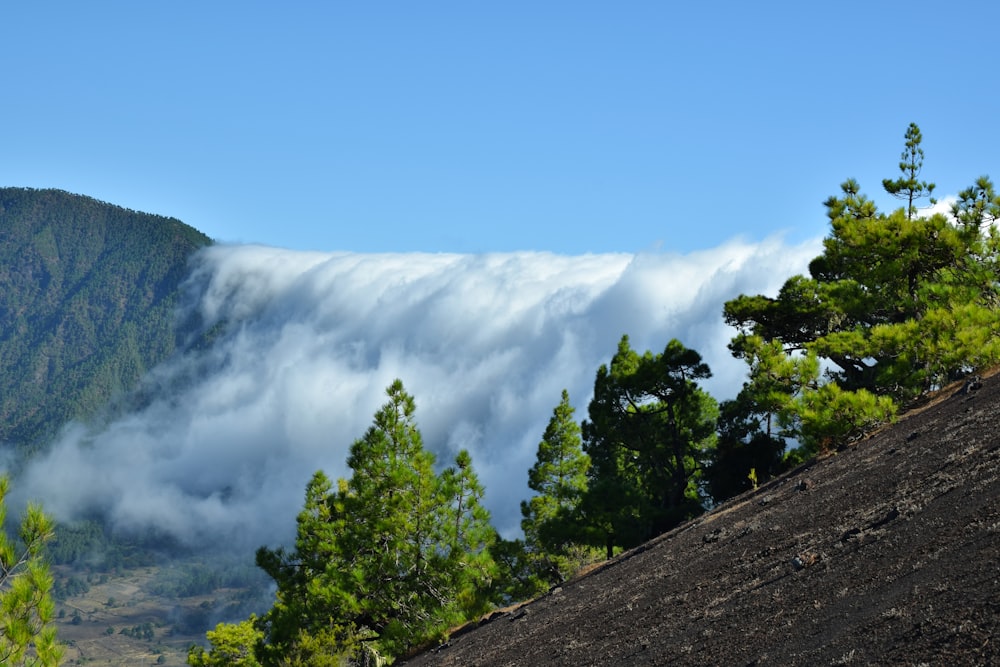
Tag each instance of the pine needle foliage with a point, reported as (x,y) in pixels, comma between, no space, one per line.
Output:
(649,432)
(27,611)
(897,305)
(389,559)
(550,517)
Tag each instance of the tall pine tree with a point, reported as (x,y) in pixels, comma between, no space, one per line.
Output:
(391,558)
(909,186)
(559,479)
(897,304)
(467,538)
(651,429)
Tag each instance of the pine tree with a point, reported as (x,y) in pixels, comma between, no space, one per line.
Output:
(896,305)
(908,186)
(389,559)
(315,610)
(468,537)
(977,206)
(393,501)
(27,612)
(232,645)
(651,428)
(559,479)
(517,572)
(753,427)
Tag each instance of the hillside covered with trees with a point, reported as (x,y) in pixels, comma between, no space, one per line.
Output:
(89,292)
(898,305)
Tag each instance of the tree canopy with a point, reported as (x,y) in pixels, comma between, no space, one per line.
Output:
(27,611)
(897,304)
(386,560)
(649,430)
(233,645)
(559,480)
(908,186)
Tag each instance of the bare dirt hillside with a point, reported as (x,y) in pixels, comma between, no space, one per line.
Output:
(887,552)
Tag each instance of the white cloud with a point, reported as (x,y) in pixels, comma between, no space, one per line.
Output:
(942,206)
(485,343)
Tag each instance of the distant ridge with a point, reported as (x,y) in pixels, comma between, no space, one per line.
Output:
(883,553)
(87,297)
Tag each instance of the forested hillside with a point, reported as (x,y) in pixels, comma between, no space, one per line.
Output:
(89,291)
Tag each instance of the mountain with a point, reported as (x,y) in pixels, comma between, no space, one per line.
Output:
(88,301)
(885,552)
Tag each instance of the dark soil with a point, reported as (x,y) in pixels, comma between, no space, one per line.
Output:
(887,552)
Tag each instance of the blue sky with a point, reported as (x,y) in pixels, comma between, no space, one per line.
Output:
(469,127)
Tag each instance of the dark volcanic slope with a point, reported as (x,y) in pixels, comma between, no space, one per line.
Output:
(886,553)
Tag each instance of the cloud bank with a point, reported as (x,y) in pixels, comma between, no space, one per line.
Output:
(222,448)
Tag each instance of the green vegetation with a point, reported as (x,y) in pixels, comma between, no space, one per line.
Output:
(89,294)
(559,480)
(27,611)
(142,631)
(391,558)
(187,578)
(908,186)
(897,305)
(650,428)
(90,543)
(233,645)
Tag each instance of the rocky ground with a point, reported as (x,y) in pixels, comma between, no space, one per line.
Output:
(887,552)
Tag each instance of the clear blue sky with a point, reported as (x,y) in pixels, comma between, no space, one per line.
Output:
(472,127)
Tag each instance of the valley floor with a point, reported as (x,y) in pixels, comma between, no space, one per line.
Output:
(118,622)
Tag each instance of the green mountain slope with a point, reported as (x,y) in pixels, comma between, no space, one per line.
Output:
(87,298)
